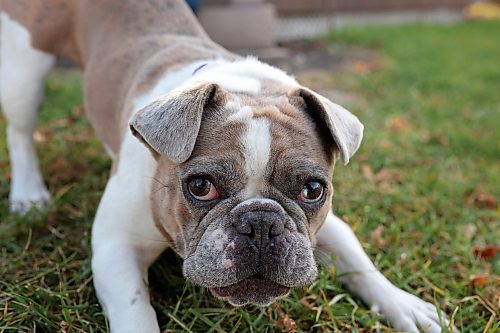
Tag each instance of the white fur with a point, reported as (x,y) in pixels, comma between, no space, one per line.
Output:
(256,143)
(243,75)
(403,310)
(22,73)
(244,114)
(109,151)
(253,201)
(125,242)
(234,76)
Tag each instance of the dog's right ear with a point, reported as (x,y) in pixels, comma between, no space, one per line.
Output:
(169,126)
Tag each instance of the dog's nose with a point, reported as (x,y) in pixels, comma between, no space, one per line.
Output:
(260,226)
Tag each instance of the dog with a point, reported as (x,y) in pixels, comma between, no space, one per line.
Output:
(225,159)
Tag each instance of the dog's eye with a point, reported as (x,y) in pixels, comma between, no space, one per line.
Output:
(311,192)
(202,189)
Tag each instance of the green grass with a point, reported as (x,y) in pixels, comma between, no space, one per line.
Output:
(431,109)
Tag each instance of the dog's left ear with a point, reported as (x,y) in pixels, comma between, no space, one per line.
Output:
(169,126)
(345,128)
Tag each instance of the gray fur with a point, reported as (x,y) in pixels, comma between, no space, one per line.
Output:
(346,129)
(169,126)
(224,255)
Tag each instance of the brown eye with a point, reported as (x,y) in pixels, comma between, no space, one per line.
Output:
(311,192)
(202,189)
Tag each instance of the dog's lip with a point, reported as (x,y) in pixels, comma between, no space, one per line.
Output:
(253,284)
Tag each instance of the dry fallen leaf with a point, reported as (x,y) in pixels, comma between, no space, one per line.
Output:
(288,324)
(308,301)
(285,322)
(485,201)
(362,67)
(367,171)
(478,280)
(383,174)
(42,136)
(469,231)
(78,110)
(398,125)
(486,252)
(435,138)
(376,237)
(389,175)
(345,218)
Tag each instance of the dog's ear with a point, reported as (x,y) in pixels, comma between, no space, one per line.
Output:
(169,126)
(342,126)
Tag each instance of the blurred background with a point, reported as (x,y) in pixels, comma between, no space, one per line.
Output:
(263,23)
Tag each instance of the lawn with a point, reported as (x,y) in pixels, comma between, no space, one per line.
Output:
(421,193)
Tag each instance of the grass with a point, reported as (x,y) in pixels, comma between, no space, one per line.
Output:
(420,194)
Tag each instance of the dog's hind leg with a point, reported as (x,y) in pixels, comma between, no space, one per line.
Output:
(22,74)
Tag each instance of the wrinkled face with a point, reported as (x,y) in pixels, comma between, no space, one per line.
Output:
(244,208)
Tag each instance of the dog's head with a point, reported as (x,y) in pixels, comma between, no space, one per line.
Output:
(243,177)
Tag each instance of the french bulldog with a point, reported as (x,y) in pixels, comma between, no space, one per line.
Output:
(224,159)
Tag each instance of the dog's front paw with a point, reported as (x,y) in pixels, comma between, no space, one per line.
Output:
(408,313)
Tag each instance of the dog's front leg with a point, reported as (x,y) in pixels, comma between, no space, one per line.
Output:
(120,280)
(125,242)
(356,271)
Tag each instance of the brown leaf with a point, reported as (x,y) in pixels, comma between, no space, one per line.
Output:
(289,324)
(383,174)
(285,322)
(78,110)
(367,171)
(60,165)
(485,201)
(389,175)
(376,237)
(469,231)
(362,67)
(435,138)
(399,125)
(486,252)
(42,136)
(478,280)
(307,301)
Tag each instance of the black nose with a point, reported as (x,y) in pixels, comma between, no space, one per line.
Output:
(261,227)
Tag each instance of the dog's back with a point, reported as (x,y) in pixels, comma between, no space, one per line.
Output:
(50,23)
(76,29)
(124,45)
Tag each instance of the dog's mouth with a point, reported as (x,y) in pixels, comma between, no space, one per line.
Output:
(252,290)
